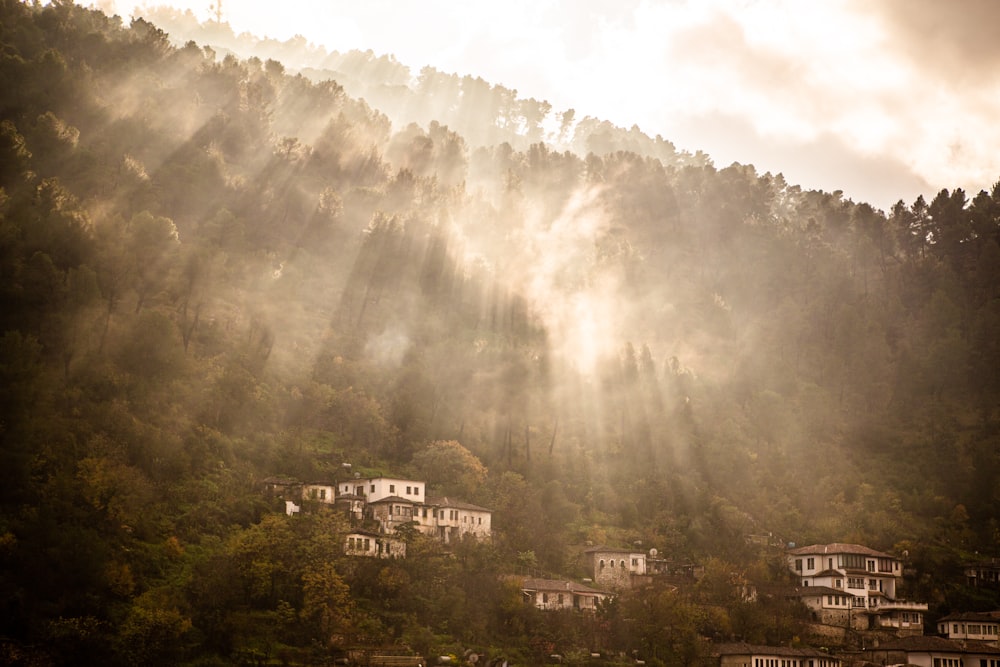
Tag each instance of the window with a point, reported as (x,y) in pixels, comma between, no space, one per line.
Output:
(855,582)
(852,561)
(810,563)
(407,490)
(322,494)
(601,565)
(838,583)
(373,488)
(416,490)
(798,564)
(368,544)
(635,562)
(872,585)
(622,563)
(871,566)
(559,599)
(480,521)
(545,598)
(612,562)
(392,488)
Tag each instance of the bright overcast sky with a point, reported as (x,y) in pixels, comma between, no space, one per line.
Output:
(884,99)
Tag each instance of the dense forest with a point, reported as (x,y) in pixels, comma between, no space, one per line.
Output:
(215,270)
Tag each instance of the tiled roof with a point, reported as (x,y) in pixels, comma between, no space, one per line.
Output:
(367,533)
(558,586)
(931,644)
(742,648)
(392,499)
(837,548)
(980,616)
(826,573)
(445,501)
(286,481)
(810,591)
(612,550)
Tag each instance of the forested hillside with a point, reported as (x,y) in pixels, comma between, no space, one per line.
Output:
(215,271)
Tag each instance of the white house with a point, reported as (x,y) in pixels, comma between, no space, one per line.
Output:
(373,545)
(750,655)
(830,606)
(392,502)
(322,492)
(553,594)
(615,568)
(867,576)
(377,488)
(447,519)
(982,626)
(928,651)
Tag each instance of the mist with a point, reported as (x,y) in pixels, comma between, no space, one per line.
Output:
(226,267)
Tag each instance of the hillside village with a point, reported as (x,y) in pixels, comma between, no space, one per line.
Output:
(587,381)
(850,592)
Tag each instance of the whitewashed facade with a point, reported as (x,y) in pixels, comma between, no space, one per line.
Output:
(556,594)
(868,577)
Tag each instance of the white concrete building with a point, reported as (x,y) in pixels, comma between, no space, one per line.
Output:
(321,492)
(377,488)
(447,519)
(978,626)
(554,594)
(750,655)
(928,651)
(868,577)
(373,545)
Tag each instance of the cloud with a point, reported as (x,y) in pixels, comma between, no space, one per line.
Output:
(825,162)
(956,41)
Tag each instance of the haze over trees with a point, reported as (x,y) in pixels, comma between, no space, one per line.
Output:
(215,270)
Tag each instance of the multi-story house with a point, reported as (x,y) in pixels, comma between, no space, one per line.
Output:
(377,488)
(978,626)
(447,519)
(929,651)
(750,655)
(830,606)
(391,512)
(983,573)
(322,492)
(868,577)
(373,545)
(615,569)
(552,594)
(392,502)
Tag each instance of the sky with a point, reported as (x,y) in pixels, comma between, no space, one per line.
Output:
(882,99)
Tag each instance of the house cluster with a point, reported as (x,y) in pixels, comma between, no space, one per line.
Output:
(378,506)
(852,586)
(848,588)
